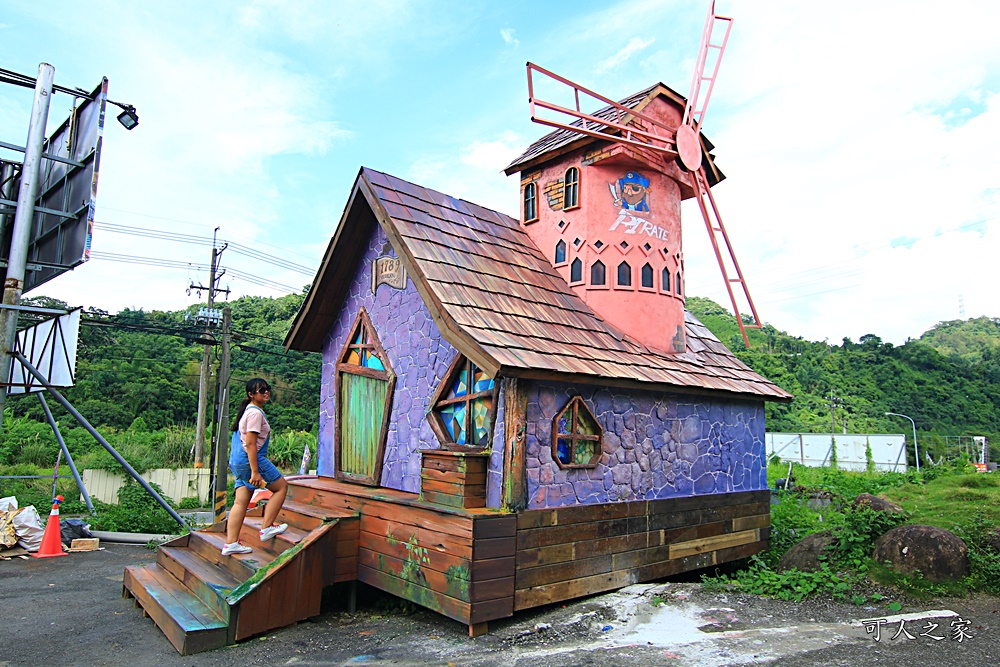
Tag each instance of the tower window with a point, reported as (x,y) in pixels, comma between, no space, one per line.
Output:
(647,276)
(560,252)
(624,275)
(665,280)
(530,197)
(597,276)
(677,283)
(571,188)
(576,271)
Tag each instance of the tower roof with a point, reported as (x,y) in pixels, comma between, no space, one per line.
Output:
(563,141)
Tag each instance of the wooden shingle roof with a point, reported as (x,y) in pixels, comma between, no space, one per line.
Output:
(496,299)
(563,141)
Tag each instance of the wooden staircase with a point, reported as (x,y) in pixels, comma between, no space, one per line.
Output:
(202,600)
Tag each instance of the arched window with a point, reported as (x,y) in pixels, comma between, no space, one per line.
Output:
(677,283)
(624,275)
(571,188)
(464,406)
(597,276)
(665,280)
(576,436)
(647,276)
(576,271)
(560,252)
(530,197)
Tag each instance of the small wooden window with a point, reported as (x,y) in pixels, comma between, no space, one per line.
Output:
(624,275)
(576,271)
(530,200)
(665,280)
(464,406)
(647,276)
(597,273)
(560,252)
(576,436)
(571,188)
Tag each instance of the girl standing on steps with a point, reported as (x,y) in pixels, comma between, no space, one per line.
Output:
(251,468)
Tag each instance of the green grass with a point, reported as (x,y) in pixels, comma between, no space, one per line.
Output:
(967,504)
(951,500)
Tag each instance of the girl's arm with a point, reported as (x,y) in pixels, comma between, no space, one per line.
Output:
(251,449)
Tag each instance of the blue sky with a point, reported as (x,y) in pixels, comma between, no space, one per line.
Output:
(859,142)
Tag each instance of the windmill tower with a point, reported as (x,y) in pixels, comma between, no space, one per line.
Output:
(601,196)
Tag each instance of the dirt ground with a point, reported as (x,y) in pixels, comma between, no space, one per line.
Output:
(69,611)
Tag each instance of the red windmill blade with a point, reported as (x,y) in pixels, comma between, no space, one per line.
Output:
(621,124)
(690,152)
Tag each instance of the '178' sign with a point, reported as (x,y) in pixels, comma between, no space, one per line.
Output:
(389,271)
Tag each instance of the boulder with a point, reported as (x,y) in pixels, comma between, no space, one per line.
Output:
(939,555)
(878,504)
(993,540)
(805,555)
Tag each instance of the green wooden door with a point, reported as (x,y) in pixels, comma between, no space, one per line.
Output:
(362,417)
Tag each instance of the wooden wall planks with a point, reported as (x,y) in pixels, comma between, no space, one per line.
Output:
(569,552)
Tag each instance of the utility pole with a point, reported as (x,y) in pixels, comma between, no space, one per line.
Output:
(221,430)
(206,357)
(23,217)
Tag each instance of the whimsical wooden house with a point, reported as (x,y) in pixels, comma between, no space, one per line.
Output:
(516,412)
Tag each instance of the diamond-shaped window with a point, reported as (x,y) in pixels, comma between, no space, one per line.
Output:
(464,406)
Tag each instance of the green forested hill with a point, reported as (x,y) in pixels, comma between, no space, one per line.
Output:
(948,381)
(144,366)
(137,365)
(972,340)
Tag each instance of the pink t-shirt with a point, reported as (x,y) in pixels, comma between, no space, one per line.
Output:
(254,421)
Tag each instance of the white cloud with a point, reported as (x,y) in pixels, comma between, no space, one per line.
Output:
(634,45)
(509,37)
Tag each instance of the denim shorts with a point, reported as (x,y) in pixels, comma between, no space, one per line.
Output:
(267,471)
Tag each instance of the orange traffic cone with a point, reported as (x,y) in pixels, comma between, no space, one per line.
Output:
(52,538)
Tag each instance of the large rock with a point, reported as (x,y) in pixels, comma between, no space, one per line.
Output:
(993,540)
(808,553)
(938,554)
(878,504)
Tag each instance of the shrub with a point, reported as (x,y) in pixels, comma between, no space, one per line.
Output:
(286,448)
(136,512)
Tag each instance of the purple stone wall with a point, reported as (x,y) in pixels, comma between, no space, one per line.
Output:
(656,445)
(418,355)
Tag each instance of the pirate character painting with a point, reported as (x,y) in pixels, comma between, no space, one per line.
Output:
(630,197)
(633,187)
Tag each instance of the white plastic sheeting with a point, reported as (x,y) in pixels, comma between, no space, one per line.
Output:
(814,449)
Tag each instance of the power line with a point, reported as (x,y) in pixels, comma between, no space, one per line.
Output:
(237,248)
(174,264)
(191,224)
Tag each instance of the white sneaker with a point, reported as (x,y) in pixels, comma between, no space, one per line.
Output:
(235,548)
(271,531)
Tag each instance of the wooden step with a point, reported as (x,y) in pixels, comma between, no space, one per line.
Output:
(208,545)
(250,535)
(186,621)
(306,516)
(205,578)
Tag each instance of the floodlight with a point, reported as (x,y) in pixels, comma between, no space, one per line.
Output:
(128,118)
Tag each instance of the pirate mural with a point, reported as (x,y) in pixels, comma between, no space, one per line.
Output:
(630,197)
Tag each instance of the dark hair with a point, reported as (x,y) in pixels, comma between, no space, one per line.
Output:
(254,385)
